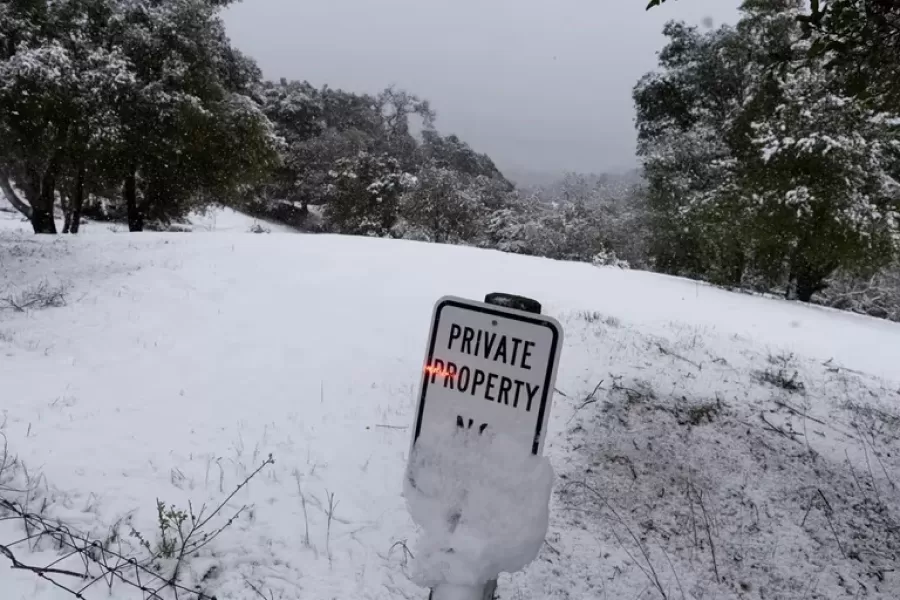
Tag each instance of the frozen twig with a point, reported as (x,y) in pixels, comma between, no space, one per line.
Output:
(332,505)
(43,295)
(777,430)
(589,399)
(649,570)
(257,591)
(828,512)
(674,572)
(798,412)
(668,352)
(306,542)
(693,515)
(407,553)
(808,509)
(592,397)
(712,545)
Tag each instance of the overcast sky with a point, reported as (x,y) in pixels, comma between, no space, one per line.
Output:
(542,85)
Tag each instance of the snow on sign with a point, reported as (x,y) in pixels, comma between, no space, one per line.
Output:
(489,367)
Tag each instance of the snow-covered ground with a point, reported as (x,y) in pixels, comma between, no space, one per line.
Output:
(706,444)
(219,220)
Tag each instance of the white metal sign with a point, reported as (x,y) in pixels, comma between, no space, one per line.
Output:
(489,367)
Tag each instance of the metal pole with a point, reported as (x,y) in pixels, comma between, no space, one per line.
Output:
(489,592)
(452,592)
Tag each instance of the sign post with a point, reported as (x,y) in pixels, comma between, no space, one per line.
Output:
(489,366)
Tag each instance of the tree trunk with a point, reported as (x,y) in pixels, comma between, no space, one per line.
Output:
(135,214)
(42,219)
(809,279)
(807,285)
(17,203)
(77,201)
(67,212)
(737,267)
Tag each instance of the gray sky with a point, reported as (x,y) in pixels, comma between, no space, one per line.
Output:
(540,85)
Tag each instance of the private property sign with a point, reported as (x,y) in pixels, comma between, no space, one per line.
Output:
(489,367)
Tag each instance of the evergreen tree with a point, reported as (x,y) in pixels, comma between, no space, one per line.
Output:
(365,194)
(776,171)
(59,82)
(192,112)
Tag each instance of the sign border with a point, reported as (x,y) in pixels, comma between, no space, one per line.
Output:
(507,313)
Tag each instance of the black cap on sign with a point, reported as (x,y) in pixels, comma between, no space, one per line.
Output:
(513,301)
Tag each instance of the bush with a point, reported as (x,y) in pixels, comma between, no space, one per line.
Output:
(876,296)
(42,295)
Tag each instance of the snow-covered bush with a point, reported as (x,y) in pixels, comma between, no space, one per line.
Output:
(608,258)
(364,194)
(876,296)
(445,204)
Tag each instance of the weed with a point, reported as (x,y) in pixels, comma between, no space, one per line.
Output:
(782,379)
(700,413)
(42,295)
(592,317)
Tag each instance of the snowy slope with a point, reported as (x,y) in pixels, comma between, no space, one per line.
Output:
(215,220)
(179,362)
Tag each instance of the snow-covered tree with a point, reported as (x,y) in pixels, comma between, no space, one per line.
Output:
(365,194)
(324,126)
(522,228)
(193,111)
(445,205)
(756,161)
(875,294)
(450,152)
(823,188)
(858,38)
(59,85)
(687,117)
(144,93)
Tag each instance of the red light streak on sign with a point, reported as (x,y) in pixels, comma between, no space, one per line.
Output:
(433,370)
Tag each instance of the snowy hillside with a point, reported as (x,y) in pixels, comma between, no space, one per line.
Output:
(214,220)
(706,444)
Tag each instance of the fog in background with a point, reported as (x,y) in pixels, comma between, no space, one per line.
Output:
(541,85)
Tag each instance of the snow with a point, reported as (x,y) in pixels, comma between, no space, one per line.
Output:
(215,220)
(481,505)
(690,421)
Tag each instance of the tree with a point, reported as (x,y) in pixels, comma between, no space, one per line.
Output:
(688,135)
(148,93)
(297,111)
(320,127)
(444,204)
(395,107)
(521,228)
(324,126)
(450,152)
(52,71)
(194,97)
(103,82)
(860,42)
(828,197)
(365,194)
(820,171)
(788,177)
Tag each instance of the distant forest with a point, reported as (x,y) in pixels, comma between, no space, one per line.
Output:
(770,155)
